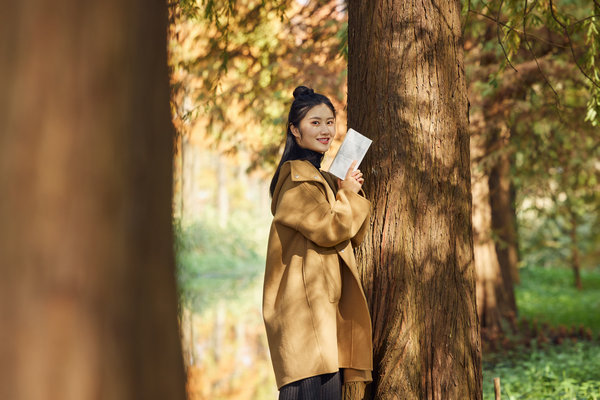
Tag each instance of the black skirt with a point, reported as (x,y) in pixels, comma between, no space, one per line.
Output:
(320,387)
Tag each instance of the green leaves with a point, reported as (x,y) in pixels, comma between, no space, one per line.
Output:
(593,107)
(342,36)
(591,58)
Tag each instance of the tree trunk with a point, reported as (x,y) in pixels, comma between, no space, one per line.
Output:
(489,138)
(407,92)
(222,192)
(495,297)
(487,267)
(504,221)
(87,296)
(575,263)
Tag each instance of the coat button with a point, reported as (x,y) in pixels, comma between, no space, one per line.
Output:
(296,176)
(315,177)
(342,250)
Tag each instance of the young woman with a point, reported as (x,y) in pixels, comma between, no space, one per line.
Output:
(316,315)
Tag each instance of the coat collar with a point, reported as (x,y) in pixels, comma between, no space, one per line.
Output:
(300,171)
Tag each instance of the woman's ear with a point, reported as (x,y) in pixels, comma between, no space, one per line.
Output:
(295,132)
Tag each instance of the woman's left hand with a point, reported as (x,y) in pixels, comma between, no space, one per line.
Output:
(353,180)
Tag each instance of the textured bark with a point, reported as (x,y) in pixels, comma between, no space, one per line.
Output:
(356,391)
(407,92)
(87,295)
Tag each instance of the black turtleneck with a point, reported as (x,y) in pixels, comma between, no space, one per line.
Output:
(314,157)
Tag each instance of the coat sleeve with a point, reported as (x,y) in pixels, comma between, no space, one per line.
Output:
(362,232)
(305,208)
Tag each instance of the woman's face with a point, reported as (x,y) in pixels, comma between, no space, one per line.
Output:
(316,130)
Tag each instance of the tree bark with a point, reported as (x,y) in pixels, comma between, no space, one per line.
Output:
(407,92)
(87,296)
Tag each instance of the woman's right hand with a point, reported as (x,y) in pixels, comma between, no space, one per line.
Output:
(353,180)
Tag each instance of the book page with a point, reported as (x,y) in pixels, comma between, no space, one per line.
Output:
(354,147)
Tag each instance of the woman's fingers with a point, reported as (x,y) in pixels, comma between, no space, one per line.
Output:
(351,170)
(358,176)
(353,180)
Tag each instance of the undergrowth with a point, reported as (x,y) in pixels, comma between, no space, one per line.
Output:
(544,368)
(548,295)
(567,371)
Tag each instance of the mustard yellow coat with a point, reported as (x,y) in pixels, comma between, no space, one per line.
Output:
(314,307)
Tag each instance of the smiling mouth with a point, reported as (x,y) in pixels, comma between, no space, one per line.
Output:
(324,140)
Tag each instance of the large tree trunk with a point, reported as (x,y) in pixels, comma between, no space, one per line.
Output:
(87,295)
(407,92)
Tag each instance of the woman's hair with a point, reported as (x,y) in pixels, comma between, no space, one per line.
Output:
(304,99)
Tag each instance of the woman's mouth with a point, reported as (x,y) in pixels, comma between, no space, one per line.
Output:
(324,140)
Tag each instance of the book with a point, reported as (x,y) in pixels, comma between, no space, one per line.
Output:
(354,147)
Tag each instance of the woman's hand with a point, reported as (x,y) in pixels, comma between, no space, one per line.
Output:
(353,180)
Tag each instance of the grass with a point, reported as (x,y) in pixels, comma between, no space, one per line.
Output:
(548,295)
(566,371)
(569,371)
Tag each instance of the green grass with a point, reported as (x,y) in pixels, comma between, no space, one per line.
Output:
(548,295)
(568,371)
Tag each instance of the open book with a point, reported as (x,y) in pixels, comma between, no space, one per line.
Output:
(354,147)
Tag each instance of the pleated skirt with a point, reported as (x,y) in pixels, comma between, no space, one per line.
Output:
(320,387)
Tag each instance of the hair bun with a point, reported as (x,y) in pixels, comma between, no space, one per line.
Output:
(303,91)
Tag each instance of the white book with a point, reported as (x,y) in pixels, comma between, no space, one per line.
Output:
(354,147)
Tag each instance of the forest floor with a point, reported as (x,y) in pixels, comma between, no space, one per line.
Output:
(562,361)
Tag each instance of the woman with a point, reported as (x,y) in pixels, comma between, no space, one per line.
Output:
(316,316)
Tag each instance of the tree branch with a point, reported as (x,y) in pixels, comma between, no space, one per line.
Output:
(518,31)
(566,31)
(498,35)
(525,12)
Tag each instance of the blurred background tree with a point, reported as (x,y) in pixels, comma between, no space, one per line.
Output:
(532,68)
(87,297)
